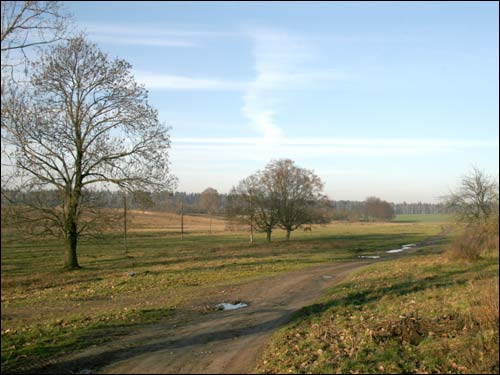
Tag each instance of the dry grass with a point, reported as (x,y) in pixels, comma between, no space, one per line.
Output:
(489,305)
(153,221)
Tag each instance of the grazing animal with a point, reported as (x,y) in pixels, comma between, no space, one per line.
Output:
(308,229)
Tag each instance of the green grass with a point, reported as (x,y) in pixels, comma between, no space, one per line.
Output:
(418,314)
(423,218)
(47,312)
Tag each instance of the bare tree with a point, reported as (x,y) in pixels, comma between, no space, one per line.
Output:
(378,209)
(255,204)
(210,203)
(241,205)
(298,192)
(476,199)
(281,195)
(84,122)
(27,24)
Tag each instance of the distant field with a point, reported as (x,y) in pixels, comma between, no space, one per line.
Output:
(165,221)
(47,312)
(423,218)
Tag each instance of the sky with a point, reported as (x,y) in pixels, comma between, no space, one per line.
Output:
(388,99)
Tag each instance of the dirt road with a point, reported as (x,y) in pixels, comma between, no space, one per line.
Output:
(214,341)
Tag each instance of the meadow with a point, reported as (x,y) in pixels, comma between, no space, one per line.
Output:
(417,218)
(47,312)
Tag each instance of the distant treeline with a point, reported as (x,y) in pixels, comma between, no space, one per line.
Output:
(159,201)
(171,202)
(345,206)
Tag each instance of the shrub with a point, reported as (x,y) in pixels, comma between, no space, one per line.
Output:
(479,239)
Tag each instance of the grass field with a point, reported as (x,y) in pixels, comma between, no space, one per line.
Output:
(47,312)
(420,314)
(423,218)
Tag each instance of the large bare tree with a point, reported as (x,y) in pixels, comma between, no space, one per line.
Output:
(281,195)
(298,190)
(84,123)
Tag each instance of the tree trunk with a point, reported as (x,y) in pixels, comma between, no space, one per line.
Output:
(251,230)
(125,222)
(70,259)
(288,231)
(268,235)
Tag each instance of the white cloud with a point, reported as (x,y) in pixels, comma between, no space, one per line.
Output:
(152,30)
(149,35)
(282,62)
(142,41)
(353,142)
(255,149)
(176,82)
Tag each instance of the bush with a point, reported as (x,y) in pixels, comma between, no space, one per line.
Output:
(478,239)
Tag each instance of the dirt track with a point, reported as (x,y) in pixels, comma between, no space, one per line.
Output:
(216,341)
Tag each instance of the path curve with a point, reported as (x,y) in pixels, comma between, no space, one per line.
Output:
(218,341)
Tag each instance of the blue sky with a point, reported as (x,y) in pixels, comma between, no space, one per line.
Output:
(396,100)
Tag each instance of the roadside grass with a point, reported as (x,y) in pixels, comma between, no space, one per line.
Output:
(418,314)
(47,312)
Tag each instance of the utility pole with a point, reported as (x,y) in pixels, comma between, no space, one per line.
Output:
(251,229)
(125,220)
(182,220)
(251,221)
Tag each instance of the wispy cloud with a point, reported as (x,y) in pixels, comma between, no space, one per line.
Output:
(354,142)
(281,63)
(256,149)
(150,35)
(158,30)
(142,41)
(276,56)
(176,82)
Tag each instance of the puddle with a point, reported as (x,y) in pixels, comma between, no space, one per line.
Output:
(327,277)
(394,251)
(369,256)
(405,247)
(231,306)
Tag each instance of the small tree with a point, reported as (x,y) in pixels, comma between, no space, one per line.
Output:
(255,204)
(297,192)
(84,122)
(210,203)
(476,199)
(241,205)
(376,208)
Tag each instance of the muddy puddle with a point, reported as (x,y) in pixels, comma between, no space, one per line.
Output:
(230,306)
